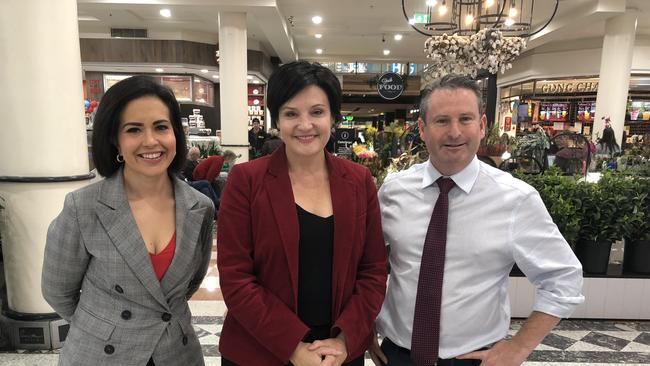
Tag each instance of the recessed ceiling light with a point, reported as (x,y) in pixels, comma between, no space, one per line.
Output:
(256,81)
(319,51)
(398,37)
(87,18)
(318,35)
(386,52)
(166,13)
(509,22)
(412,21)
(159,69)
(215,76)
(432,2)
(249,77)
(205,71)
(317,19)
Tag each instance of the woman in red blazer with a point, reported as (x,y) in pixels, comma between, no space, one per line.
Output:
(301,255)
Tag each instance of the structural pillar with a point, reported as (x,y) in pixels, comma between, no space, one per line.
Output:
(43,151)
(233,69)
(615,67)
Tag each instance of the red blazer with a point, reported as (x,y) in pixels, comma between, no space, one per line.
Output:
(258,237)
(209,168)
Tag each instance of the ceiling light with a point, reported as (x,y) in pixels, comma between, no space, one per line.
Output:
(166,13)
(489,3)
(256,81)
(513,11)
(386,52)
(159,69)
(469,18)
(317,19)
(215,76)
(319,51)
(318,35)
(442,10)
(412,21)
(87,18)
(398,37)
(432,2)
(249,77)
(509,22)
(205,71)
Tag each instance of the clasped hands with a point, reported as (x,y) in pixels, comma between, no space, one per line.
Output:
(327,352)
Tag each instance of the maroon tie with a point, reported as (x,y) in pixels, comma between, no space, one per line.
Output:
(426,319)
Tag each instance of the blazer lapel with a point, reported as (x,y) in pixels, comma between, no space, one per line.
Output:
(345,214)
(280,194)
(115,215)
(189,219)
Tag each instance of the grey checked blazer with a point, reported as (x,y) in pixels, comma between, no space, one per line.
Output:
(98,276)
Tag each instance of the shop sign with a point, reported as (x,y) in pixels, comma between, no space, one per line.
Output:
(564,86)
(344,139)
(390,86)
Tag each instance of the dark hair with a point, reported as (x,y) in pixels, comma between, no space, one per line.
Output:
(291,78)
(449,82)
(109,113)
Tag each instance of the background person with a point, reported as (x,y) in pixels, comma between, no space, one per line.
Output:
(451,253)
(272,142)
(302,262)
(108,258)
(256,138)
(193,156)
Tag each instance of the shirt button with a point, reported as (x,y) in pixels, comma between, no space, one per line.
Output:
(126,315)
(184,340)
(166,317)
(118,288)
(109,349)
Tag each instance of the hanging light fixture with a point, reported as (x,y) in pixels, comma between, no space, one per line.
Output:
(466,36)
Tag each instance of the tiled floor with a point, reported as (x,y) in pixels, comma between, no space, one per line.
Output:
(572,343)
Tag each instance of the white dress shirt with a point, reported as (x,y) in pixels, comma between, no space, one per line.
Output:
(494,222)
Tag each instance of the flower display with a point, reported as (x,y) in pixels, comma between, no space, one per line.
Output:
(487,49)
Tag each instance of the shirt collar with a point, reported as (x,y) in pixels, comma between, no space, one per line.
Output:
(464,179)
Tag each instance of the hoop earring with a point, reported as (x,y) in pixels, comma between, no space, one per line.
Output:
(119,158)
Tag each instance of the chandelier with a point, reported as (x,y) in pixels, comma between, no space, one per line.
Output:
(469,36)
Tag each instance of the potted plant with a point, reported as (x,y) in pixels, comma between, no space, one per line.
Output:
(602,207)
(636,227)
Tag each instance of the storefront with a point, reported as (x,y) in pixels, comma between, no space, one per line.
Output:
(569,105)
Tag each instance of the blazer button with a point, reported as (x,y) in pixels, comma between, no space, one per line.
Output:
(166,317)
(109,349)
(118,288)
(126,315)
(184,340)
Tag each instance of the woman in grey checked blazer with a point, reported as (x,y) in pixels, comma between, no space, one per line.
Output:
(110,267)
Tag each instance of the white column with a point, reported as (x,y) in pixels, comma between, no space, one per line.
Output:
(615,66)
(233,95)
(43,135)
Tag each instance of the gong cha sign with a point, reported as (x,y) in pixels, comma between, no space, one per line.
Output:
(390,86)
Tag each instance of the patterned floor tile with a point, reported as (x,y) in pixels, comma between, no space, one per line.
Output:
(605,340)
(636,347)
(557,341)
(643,338)
(573,334)
(584,346)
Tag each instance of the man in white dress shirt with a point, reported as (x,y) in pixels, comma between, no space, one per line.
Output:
(494,221)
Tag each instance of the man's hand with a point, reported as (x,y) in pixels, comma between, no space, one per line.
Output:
(328,345)
(504,353)
(304,356)
(376,354)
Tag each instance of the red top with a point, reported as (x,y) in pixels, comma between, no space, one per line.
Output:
(209,168)
(163,260)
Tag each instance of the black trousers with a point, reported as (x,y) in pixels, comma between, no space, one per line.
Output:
(399,356)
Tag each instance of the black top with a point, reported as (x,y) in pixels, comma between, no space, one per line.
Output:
(316,250)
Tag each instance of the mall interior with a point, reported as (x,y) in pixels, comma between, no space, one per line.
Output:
(585,67)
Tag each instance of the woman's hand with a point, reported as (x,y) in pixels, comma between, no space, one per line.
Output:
(304,355)
(336,344)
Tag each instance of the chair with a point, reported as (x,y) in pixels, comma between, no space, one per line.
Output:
(572,153)
(525,163)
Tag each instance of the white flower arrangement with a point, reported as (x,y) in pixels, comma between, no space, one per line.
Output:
(487,49)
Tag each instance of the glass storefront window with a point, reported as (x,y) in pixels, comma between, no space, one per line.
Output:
(203,91)
(180,85)
(110,80)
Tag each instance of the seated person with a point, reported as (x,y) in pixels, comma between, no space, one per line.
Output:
(209,168)
(192,161)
